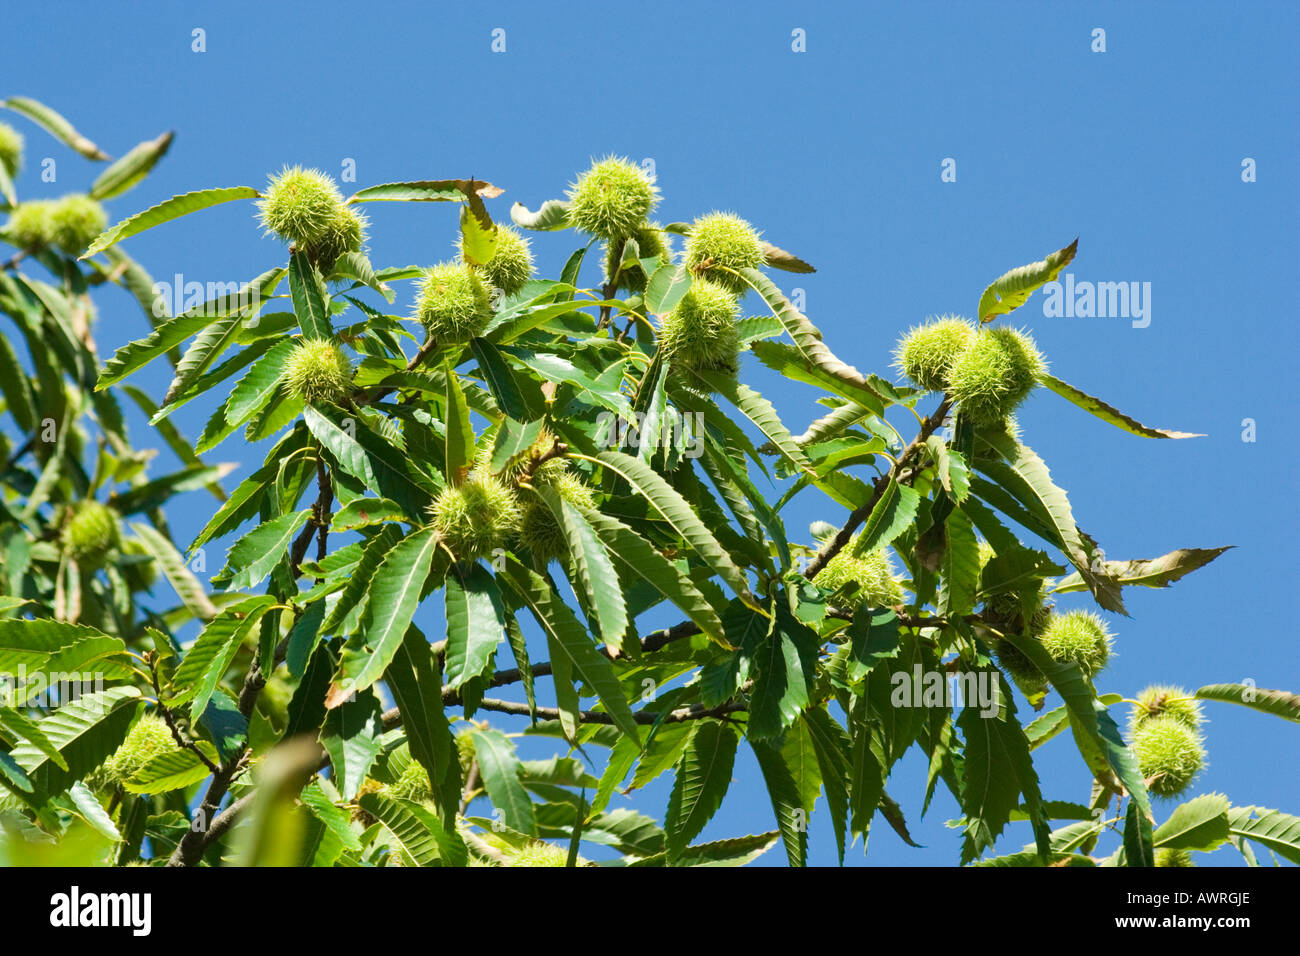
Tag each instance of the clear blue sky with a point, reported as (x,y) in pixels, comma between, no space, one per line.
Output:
(836,154)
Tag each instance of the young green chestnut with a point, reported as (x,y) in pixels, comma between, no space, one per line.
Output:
(927,353)
(719,246)
(873,573)
(92,531)
(1079,637)
(995,374)
(75,221)
(700,332)
(476,517)
(11,149)
(318,371)
(454,304)
(1161,700)
(541,853)
(1166,857)
(1169,754)
(651,243)
(346,232)
(612,198)
(149,738)
(302,206)
(30,227)
(511,264)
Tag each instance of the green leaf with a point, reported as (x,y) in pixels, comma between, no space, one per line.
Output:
(1025,477)
(391,600)
(257,553)
(678,513)
(307,289)
(478,236)
(998,769)
(18,726)
(419,834)
(813,352)
(593,568)
(665,288)
(1199,824)
(500,768)
(427,190)
(1280,703)
(417,690)
(572,639)
(207,661)
(1012,289)
(187,586)
(797,364)
(759,411)
(370,458)
(553,214)
(173,770)
(703,777)
(786,802)
(1107,413)
(255,389)
(92,811)
(893,513)
(131,168)
(166,211)
(30,643)
(500,380)
(54,124)
(171,332)
(834,757)
(780,692)
(476,620)
(85,732)
(460,433)
(315,799)
(1278,831)
(636,556)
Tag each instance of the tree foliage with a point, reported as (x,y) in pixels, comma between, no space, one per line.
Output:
(577,479)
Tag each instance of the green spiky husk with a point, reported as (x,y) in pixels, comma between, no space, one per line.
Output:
(345,232)
(927,353)
(91,533)
(873,573)
(539,531)
(11,149)
(1169,754)
(992,376)
(30,227)
(730,243)
(412,784)
(75,221)
(700,333)
(476,518)
(612,199)
(318,371)
(1167,858)
(302,206)
(149,738)
(454,304)
(1079,637)
(511,264)
(1020,668)
(1158,700)
(652,243)
(541,853)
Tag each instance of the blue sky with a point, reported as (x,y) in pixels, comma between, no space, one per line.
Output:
(835,153)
